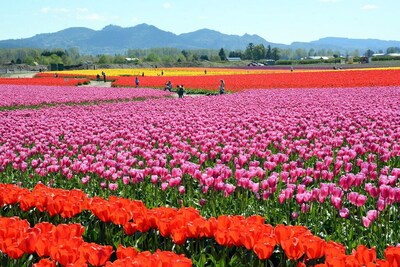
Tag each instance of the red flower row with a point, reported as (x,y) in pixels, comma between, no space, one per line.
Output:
(51,81)
(65,245)
(182,224)
(356,78)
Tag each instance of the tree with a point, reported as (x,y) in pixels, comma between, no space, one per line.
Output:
(195,57)
(222,54)
(152,57)
(185,54)
(275,53)
(268,53)
(204,57)
(118,59)
(391,50)
(300,53)
(259,52)
(355,53)
(29,60)
(236,53)
(369,53)
(104,59)
(248,53)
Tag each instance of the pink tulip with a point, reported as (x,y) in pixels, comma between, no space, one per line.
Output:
(344,212)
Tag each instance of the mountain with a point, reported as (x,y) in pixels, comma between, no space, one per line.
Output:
(117,40)
(346,44)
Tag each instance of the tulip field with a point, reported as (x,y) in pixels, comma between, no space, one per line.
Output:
(287,169)
(16,96)
(196,81)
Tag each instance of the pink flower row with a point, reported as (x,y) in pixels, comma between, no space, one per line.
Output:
(23,95)
(321,144)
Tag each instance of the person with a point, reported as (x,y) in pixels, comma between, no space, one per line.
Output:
(162,73)
(137,81)
(291,68)
(168,86)
(181,91)
(104,76)
(142,74)
(56,75)
(98,77)
(205,71)
(221,87)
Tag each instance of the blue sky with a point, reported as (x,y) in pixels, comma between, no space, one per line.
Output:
(280,21)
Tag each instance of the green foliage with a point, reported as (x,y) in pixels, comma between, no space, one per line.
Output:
(222,54)
(204,57)
(284,62)
(393,50)
(104,59)
(152,57)
(118,59)
(385,58)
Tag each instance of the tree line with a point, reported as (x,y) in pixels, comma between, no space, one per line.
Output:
(170,56)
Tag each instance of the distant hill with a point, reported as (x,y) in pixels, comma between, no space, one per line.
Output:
(347,44)
(117,40)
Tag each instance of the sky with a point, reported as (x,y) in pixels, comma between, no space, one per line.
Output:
(279,21)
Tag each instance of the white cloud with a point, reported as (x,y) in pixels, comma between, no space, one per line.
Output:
(45,10)
(91,17)
(167,5)
(48,10)
(329,1)
(369,7)
(82,9)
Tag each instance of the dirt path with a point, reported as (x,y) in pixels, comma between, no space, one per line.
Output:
(19,75)
(97,84)
(108,84)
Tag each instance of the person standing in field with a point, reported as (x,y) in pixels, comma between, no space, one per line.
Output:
(181,91)
(137,81)
(221,87)
(104,76)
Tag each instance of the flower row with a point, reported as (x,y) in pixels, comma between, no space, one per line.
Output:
(301,156)
(64,244)
(181,225)
(49,81)
(239,79)
(144,72)
(17,95)
(233,83)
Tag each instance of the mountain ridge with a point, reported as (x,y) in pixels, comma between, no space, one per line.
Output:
(113,39)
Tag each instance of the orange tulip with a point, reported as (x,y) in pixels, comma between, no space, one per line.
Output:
(209,227)
(314,247)
(28,242)
(263,250)
(365,255)
(392,255)
(126,252)
(45,263)
(292,248)
(13,251)
(95,254)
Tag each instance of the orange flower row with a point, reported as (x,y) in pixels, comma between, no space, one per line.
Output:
(297,242)
(234,83)
(64,244)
